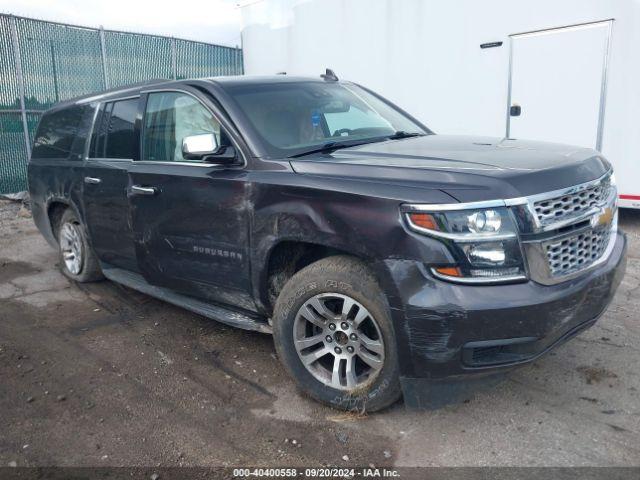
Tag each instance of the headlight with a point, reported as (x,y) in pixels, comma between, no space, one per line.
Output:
(484,221)
(484,243)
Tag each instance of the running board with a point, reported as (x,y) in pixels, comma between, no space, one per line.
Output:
(137,282)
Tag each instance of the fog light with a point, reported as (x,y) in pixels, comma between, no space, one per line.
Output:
(495,272)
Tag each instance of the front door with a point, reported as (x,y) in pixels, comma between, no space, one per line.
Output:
(189,217)
(557,84)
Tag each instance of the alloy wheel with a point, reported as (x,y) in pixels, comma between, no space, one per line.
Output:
(71,246)
(338,341)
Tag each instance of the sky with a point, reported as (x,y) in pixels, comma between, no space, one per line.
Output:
(211,21)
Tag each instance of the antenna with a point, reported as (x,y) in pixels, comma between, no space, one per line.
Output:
(329,76)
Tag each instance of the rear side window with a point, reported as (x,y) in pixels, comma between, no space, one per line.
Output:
(57,131)
(114,134)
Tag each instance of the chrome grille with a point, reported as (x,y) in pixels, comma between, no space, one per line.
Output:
(575,253)
(572,204)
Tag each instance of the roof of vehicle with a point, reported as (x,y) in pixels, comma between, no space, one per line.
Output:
(226,81)
(261,80)
(106,93)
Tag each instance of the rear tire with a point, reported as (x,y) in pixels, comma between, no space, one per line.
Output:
(77,259)
(332,330)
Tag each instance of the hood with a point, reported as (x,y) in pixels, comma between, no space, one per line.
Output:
(467,168)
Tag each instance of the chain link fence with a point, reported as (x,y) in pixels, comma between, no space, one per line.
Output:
(42,63)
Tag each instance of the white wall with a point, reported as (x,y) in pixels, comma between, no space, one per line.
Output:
(425,56)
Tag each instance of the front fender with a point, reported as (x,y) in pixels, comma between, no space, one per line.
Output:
(348,216)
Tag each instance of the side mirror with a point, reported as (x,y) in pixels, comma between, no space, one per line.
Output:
(196,147)
(223,156)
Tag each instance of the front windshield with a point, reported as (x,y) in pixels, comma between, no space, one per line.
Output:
(292,118)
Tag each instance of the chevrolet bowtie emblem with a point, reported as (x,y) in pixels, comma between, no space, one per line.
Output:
(602,219)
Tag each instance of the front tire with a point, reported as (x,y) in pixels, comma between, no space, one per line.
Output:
(332,330)
(77,259)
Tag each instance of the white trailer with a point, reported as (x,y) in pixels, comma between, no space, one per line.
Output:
(571,68)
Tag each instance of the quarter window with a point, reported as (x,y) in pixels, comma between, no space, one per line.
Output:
(57,131)
(114,135)
(169,118)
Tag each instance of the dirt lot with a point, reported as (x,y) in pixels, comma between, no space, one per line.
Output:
(101,375)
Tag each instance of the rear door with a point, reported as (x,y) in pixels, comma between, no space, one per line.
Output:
(114,145)
(190,218)
(558,80)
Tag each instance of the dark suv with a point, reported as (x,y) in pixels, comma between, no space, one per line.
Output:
(383,258)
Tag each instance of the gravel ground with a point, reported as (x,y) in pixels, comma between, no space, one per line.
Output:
(100,375)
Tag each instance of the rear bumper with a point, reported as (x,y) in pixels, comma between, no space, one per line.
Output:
(458,336)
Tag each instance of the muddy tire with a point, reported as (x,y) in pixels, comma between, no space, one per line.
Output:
(77,259)
(332,330)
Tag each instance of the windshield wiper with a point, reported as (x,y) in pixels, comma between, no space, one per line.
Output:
(331,146)
(402,134)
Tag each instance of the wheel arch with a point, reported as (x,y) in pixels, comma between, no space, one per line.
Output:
(288,256)
(56,206)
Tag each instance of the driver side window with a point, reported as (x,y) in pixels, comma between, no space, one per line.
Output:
(168,119)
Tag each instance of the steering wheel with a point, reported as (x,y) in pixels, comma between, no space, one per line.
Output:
(341,131)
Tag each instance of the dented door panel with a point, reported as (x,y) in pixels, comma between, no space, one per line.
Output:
(192,234)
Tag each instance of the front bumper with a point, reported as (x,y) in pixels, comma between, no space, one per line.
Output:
(457,334)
